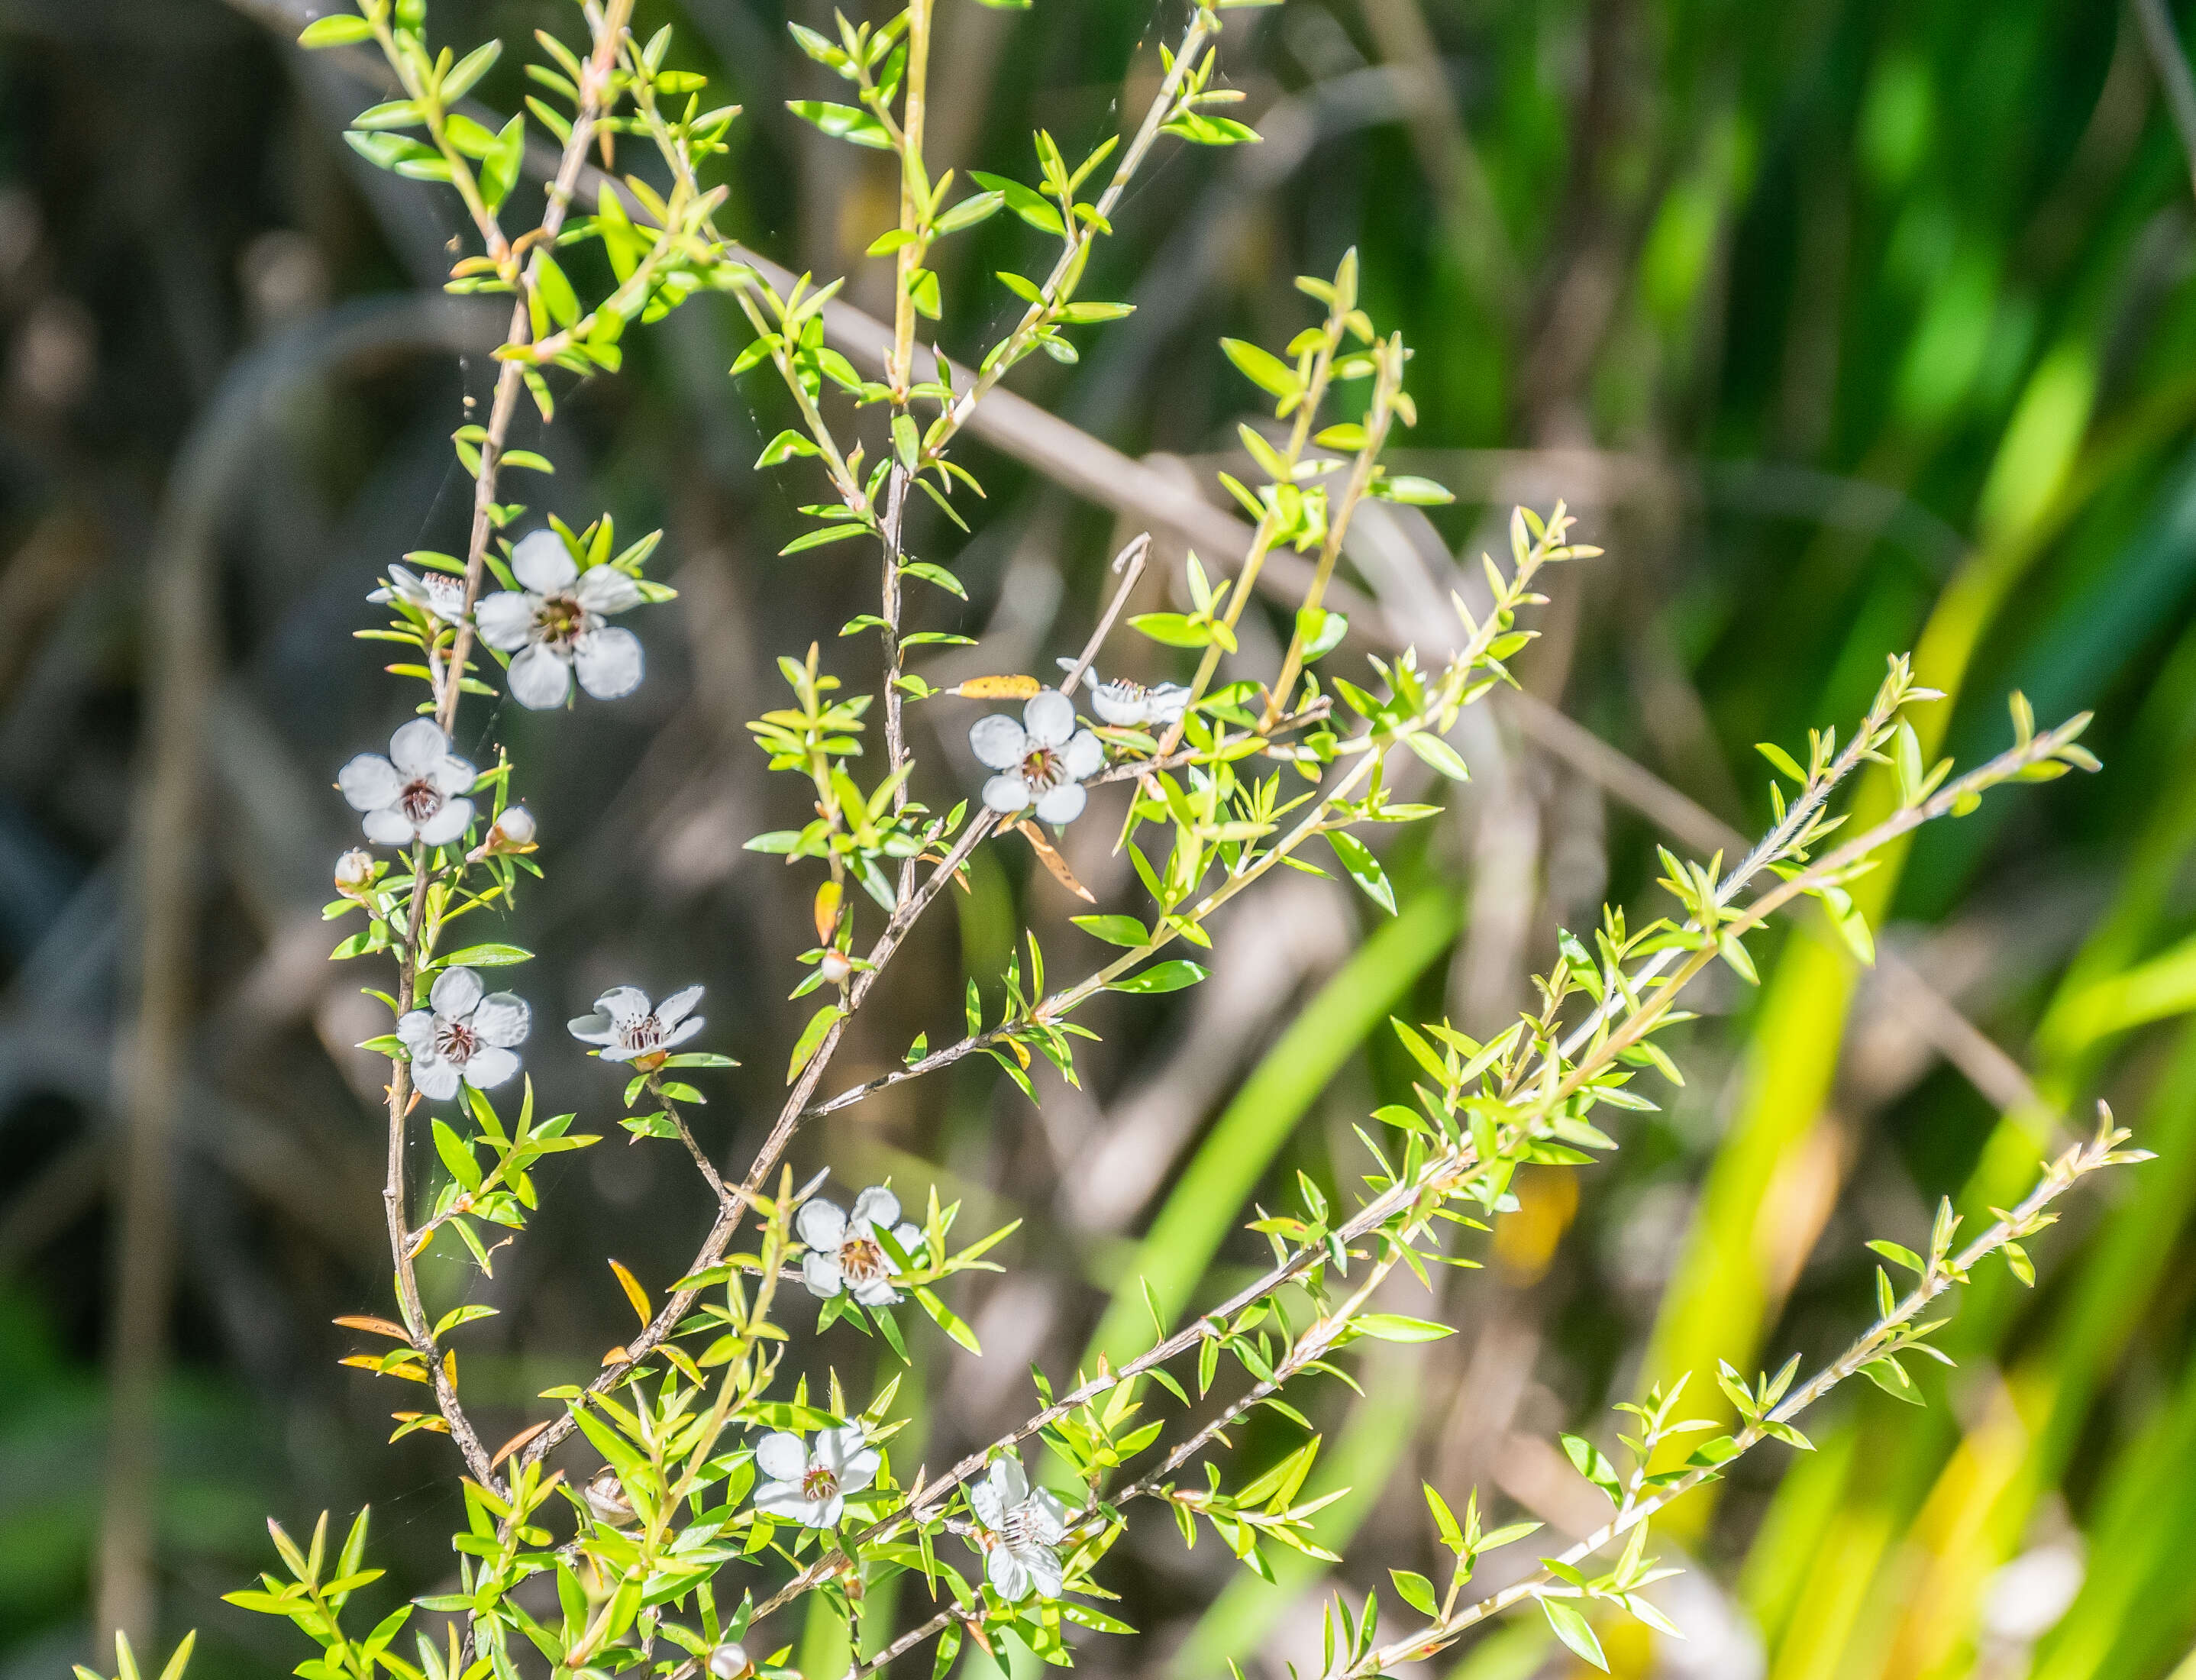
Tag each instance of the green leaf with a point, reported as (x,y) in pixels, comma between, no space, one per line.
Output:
(1175,630)
(843,122)
(1394,1327)
(1439,754)
(1363,868)
(1114,930)
(785,445)
(554,289)
(1574,1631)
(1322,632)
(1165,977)
(468,70)
(812,1036)
(337,31)
(1262,368)
(1780,760)
(1416,1590)
(487,956)
(1027,202)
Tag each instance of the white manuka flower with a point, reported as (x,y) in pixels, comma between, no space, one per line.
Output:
(554,622)
(464,1033)
(1042,760)
(843,1250)
(1022,1524)
(436,592)
(809,1483)
(1131,705)
(628,1030)
(416,792)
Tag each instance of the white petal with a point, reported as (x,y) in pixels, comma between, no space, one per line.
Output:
(875,1206)
(876,1293)
(1117,703)
(604,589)
(447,823)
(1049,718)
(456,990)
(618,1052)
(369,782)
(1063,805)
(832,1448)
(1165,702)
(827,1513)
(543,563)
(503,1020)
(679,1034)
(1044,1568)
(417,1029)
(998,742)
(781,1457)
(785,1501)
(415,747)
(1011,1480)
(860,1470)
(1048,1516)
(820,1271)
(592,1028)
(388,827)
(540,677)
(610,662)
(505,620)
(910,1240)
(451,777)
(676,1008)
(624,1005)
(489,1065)
(822,1225)
(987,1502)
(1005,1574)
(435,1077)
(1084,756)
(1006,794)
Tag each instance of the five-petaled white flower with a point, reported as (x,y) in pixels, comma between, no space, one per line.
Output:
(466,1033)
(554,622)
(417,793)
(1042,760)
(1131,705)
(843,1250)
(1022,1524)
(437,593)
(809,1483)
(628,1030)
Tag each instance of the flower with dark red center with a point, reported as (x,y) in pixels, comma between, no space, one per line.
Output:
(808,1484)
(466,1035)
(628,1030)
(844,1253)
(553,624)
(415,793)
(1042,760)
(1022,1525)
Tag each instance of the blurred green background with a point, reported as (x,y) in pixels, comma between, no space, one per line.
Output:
(1846,327)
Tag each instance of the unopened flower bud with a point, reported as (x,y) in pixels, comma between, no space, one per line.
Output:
(354,869)
(513,830)
(729,1661)
(837,967)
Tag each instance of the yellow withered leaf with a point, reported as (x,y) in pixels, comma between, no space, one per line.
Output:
(634,1293)
(999,688)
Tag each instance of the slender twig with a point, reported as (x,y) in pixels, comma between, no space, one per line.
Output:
(1445,1170)
(2059,1178)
